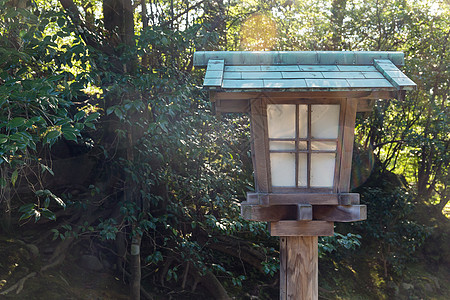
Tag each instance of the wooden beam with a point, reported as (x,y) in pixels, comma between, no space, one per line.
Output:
(299,212)
(303,198)
(243,106)
(348,198)
(260,146)
(345,162)
(365,105)
(351,213)
(269,213)
(301,228)
(232,106)
(304,212)
(283,268)
(283,95)
(299,267)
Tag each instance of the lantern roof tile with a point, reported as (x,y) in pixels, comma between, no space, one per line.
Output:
(303,71)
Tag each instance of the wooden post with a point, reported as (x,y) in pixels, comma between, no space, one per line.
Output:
(298,268)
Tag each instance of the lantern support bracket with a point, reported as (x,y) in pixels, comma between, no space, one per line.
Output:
(303,212)
(304,198)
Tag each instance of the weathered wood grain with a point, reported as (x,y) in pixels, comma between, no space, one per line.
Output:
(231,106)
(269,213)
(243,105)
(301,228)
(299,268)
(283,95)
(304,212)
(260,146)
(299,212)
(303,198)
(283,268)
(347,146)
(340,213)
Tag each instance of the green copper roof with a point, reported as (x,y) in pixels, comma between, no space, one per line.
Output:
(303,71)
(201,58)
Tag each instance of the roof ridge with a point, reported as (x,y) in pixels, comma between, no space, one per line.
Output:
(201,58)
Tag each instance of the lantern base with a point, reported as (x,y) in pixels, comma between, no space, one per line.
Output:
(303,212)
(303,198)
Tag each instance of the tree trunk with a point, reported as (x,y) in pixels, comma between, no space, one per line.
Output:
(135,267)
(5,199)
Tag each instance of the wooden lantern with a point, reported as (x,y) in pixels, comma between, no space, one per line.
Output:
(302,108)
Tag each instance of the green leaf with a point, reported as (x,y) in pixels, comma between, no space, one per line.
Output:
(26,207)
(90,125)
(52,135)
(118,112)
(61,22)
(46,202)
(16,122)
(110,109)
(92,117)
(70,136)
(14,176)
(26,215)
(55,233)
(48,214)
(46,168)
(64,121)
(37,215)
(3,139)
(163,127)
(79,115)
(57,199)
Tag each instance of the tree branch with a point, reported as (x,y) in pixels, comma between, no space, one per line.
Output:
(388,142)
(81,28)
(182,13)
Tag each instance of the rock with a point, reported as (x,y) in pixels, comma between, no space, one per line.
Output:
(407,286)
(91,262)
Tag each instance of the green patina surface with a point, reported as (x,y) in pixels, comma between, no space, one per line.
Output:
(303,71)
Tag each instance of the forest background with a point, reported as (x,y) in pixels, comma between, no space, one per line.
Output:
(117,178)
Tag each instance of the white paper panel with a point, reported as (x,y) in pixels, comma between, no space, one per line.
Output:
(303,121)
(282,169)
(325,121)
(322,169)
(282,145)
(302,145)
(281,120)
(302,170)
(322,145)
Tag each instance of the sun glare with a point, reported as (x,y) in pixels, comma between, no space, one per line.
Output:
(258,33)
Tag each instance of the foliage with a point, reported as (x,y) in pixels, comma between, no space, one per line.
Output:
(37,90)
(330,244)
(391,230)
